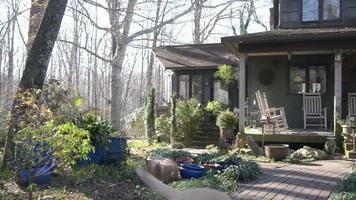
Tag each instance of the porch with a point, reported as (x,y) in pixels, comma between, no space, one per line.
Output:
(301,136)
(286,64)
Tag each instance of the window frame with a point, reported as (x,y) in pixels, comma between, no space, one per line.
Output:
(321,13)
(190,85)
(306,68)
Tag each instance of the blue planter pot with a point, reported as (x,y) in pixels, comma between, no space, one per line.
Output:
(117,149)
(96,157)
(42,175)
(189,171)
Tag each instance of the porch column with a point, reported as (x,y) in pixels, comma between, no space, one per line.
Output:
(242,93)
(338,87)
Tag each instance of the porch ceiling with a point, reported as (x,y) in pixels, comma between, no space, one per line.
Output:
(290,40)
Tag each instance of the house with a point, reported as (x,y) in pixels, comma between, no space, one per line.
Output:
(311,48)
(190,72)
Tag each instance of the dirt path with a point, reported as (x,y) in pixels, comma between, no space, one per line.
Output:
(315,180)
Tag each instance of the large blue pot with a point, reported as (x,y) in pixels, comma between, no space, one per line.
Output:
(189,171)
(42,175)
(117,150)
(96,157)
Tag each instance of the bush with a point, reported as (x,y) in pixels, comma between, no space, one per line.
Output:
(150,116)
(98,128)
(227,119)
(170,154)
(189,116)
(349,182)
(215,107)
(163,125)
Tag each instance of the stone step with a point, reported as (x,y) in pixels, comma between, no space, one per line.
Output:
(202,144)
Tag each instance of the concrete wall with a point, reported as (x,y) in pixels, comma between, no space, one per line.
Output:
(291,10)
(278,92)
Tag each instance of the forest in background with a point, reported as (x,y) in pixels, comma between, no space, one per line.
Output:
(103,50)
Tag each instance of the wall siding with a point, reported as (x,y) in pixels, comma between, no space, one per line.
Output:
(278,94)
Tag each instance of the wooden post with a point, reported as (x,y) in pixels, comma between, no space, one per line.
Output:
(242,94)
(338,87)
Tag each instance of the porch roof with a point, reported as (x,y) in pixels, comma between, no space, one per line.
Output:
(195,56)
(287,40)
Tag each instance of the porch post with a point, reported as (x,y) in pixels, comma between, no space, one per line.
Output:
(242,93)
(338,87)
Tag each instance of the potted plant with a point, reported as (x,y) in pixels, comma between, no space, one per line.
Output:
(227,122)
(347,126)
(214,108)
(99,131)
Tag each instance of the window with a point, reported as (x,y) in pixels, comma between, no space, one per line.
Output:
(184,86)
(310,79)
(197,87)
(317,79)
(331,9)
(221,93)
(310,10)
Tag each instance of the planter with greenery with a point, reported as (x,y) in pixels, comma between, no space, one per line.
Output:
(214,108)
(347,127)
(99,131)
(227,73)
(227,122)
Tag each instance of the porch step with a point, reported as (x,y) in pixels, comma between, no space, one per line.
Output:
(202,144)
(208,134)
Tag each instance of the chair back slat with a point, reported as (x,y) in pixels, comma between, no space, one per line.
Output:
(352,104)
(312,103)
(261,101)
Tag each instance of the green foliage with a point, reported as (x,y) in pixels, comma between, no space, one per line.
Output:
(205,157)
(150,116)
(98,128)
(174,126)
(178,145)
(191,183)
(227,73)
(171,154)
(189,116)
(227,119)
(215,107)
(163,125)
(349,182)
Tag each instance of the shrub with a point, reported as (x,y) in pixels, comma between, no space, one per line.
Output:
(227,119)
(173,133)
(215,107)
(189,116)
(170,154)
(98,128)
(163,125)
(227,73)
(150,116)
(349,182)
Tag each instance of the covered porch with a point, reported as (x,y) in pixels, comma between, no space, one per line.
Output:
(289,63)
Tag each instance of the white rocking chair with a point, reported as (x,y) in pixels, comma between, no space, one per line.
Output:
(352,104)
(276,116)
(313,111)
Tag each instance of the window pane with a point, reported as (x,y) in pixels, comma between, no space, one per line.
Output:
(184,86)
(297,80)
(310,10)
(331,9)
(221,93)
(317,79)
(197,87)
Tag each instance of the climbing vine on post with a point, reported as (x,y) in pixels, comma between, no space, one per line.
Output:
(173,120)
(150,116)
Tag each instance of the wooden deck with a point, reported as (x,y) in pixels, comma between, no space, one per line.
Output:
(311,136)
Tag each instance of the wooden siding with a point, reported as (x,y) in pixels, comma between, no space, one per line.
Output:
(291,15)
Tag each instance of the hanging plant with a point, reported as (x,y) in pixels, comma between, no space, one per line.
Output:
(227,73)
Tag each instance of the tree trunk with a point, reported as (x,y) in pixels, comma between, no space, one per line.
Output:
(36,64)
(38,8)
(198,7)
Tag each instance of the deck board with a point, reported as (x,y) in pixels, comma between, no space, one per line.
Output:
(292,136)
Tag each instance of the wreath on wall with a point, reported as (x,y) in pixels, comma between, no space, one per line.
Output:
(266,77)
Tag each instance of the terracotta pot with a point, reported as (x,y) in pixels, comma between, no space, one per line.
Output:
(226,134)
(277,152)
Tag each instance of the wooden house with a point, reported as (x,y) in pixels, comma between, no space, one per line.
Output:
(311,48)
